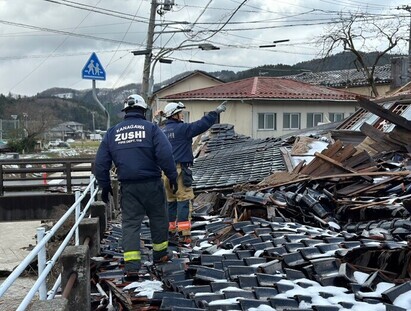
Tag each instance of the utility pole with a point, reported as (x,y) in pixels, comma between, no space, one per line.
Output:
(149,48)
(94,126)
(409,47)
(408,9)
(166,5)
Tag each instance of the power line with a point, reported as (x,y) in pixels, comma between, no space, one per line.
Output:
(124,35)
(210,63)
(42,29)
(61,32)
(61,55)
(227,65)
(358,4)
(94,9)
(226,29)
(265,21)
(228,20)
(202,12)
(286,25)
(48,56)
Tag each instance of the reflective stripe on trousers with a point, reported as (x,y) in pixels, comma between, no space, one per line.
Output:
(160,246)
(132,255)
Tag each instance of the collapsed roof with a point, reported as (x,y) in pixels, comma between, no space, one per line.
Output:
(304,222)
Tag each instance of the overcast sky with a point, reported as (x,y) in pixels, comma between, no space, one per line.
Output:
(46,44)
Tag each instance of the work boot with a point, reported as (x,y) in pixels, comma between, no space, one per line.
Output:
(173,236)
(131,276)
(132,265)
(131,270)
(163,258)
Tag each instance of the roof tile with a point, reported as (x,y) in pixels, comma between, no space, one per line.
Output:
(266,88)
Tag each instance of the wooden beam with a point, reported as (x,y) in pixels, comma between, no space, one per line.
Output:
(348,175)
(374,186)
(384,113)
(287,159)
(372,132)
(388,201)
(381,139)
(338,164)
(123,297)
(398,173)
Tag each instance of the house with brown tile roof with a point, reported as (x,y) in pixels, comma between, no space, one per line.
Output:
(262,107)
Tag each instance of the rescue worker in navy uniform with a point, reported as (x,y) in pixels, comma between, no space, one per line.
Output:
(180,135)
(140,151)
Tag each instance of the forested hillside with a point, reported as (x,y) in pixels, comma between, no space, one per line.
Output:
(339,61)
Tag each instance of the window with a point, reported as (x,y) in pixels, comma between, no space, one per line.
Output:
(336,116)
(314,118)
(291,121)
(267,121)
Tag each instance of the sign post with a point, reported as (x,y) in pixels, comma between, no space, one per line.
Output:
(93,70)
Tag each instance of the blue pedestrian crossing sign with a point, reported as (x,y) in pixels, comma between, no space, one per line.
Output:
(93,69)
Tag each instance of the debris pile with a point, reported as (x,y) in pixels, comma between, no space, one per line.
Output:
(340,189)
(331,232)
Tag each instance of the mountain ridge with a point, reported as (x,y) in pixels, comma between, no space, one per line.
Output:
(112,99)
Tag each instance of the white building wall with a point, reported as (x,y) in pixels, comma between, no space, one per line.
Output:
(301,107)
(244,114)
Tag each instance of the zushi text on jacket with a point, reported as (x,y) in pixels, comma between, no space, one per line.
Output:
(130,133)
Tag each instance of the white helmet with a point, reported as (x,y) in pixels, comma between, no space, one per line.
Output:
(134,100)
(172,108)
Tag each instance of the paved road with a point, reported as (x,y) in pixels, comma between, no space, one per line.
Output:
(16,293)
(15,238)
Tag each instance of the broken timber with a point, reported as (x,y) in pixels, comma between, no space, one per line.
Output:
(384,113)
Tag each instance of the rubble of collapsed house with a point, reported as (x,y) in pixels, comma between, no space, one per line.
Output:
(305,222)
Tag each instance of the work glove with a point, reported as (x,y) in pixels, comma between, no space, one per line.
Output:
(105,192)
(158,117)
(174,186)
(221,108)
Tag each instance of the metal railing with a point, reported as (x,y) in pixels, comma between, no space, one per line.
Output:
(44,267)
(44,174)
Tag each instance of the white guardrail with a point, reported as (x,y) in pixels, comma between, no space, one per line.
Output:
(44,267)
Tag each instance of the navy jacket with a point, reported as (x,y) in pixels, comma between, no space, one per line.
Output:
(180,135)
(139,150)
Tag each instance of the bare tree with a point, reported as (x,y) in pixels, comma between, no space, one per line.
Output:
(37,123)
(361,34)
(34,120)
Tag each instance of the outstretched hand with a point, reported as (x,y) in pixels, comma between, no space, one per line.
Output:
(222,107)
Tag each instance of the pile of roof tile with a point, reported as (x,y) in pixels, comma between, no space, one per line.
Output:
(333,233)
(231,159)
(277,264)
